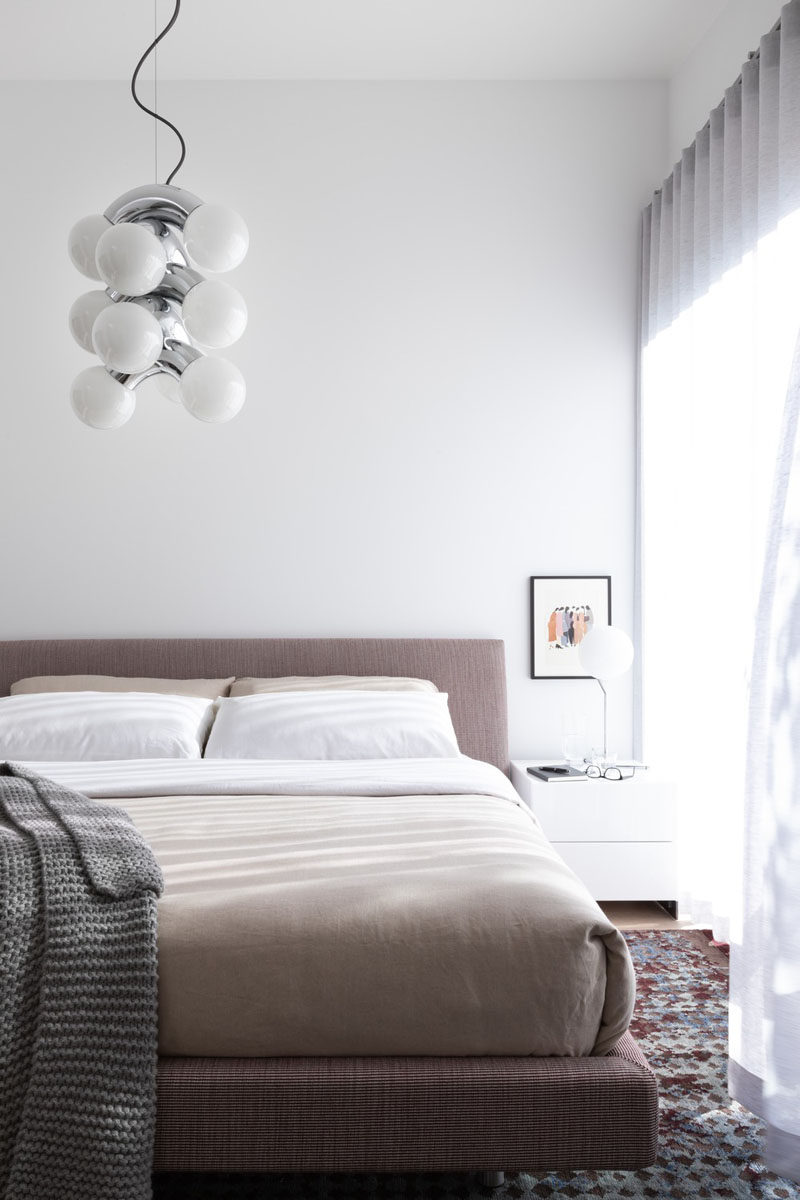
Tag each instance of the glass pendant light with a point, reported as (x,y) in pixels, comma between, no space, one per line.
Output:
(100,400)
(130,259)
(214,313)
(212,389)
(82,243)
(158,313)
(83,314)
(216,238)
(127,338)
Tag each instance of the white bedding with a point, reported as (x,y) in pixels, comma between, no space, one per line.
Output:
(364,908)
(281,777)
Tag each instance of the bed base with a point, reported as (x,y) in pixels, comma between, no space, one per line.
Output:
(487,1114)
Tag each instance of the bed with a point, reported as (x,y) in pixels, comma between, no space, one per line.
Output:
(399,1104)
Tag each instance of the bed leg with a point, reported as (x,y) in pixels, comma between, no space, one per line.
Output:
(493,1179)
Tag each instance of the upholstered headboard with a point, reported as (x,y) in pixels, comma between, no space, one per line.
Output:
(470,670)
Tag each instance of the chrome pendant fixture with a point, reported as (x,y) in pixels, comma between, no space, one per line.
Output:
(158,315)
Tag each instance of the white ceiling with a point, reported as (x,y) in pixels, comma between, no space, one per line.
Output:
(356,39)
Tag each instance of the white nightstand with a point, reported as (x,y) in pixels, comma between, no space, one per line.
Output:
(619,837)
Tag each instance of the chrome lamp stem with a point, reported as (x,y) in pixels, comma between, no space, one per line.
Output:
(605,721)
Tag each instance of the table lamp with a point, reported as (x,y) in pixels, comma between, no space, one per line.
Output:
(605,653)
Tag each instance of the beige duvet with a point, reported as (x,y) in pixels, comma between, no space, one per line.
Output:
(336,924)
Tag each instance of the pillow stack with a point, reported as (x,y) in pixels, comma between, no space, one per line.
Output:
(93,718)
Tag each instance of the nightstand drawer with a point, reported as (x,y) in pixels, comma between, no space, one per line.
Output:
(599,810)
(623,870)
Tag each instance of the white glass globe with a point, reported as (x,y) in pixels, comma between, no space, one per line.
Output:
(214,314)
(168,386)
(130,259)
(83,315)
(153,391)
(127,337)
(100,401)
(212,389)
(605,652)
(82,243)
(216,237)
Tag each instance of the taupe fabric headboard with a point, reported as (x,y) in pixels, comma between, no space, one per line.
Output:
(472,671)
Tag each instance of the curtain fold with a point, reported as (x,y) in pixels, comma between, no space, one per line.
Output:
(764,1070)
(719,540)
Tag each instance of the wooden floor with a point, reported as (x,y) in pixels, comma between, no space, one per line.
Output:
(632,914)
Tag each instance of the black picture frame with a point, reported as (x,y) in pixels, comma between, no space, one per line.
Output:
(553,657)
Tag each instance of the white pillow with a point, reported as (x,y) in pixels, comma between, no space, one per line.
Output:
(334,725)
(95,726)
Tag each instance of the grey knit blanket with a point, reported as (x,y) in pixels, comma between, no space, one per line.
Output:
(78,1002)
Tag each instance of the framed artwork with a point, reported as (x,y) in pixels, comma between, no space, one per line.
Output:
(563,610)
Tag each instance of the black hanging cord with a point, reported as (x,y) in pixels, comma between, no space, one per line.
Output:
(150,112)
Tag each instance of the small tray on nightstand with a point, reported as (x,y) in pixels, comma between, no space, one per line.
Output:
(555,773)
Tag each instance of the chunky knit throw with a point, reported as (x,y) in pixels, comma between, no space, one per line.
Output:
(78,998)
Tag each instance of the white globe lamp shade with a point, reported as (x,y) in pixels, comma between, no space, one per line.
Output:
(82,243)
(130,259)
(157,388)
(605,652)
(216,237)
(127,338)
(168,386)
(100,401)
(83,315)
(214,314)
(212,389)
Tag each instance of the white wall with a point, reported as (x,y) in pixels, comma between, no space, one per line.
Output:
(713,66)
(442,289)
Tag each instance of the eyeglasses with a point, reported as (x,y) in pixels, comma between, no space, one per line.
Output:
(615,774)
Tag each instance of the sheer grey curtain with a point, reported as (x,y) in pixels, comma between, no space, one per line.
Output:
(719,546)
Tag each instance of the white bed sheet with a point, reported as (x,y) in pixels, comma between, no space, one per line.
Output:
(276,777)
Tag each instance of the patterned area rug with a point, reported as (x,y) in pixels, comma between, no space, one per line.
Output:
(709,1147)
